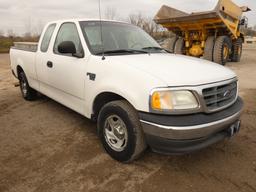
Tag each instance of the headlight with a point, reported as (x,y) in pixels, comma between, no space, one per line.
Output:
(173,100)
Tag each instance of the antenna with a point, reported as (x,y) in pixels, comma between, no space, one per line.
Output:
(101,33)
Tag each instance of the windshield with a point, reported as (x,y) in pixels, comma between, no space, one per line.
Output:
(118,38)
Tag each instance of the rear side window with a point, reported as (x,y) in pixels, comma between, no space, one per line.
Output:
(47,37)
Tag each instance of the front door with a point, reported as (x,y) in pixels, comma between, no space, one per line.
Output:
(64,75)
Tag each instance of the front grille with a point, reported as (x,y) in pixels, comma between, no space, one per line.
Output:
(220,96)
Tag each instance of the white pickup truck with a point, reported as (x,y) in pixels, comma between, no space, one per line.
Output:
(139,94)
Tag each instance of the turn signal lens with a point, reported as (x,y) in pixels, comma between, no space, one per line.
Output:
(156,104)
(162,100)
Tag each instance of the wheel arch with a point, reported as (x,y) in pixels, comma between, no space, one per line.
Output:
(19,69)
(103,98)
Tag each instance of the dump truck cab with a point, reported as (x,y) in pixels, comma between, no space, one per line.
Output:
(215,35)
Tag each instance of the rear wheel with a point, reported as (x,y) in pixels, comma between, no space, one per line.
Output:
(221,51)
(120,131)
(237,50)
(179,46)
(27,92)
(208,50)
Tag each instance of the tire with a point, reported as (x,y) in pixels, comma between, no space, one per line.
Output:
(129,129)
(27,92)
(237,50)
(221,51)
(179,46)
(172,43)
(208,50)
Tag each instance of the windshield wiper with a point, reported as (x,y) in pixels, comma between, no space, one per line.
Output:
(122,51)
(155,48)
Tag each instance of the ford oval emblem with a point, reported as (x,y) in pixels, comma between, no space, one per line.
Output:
(226,93)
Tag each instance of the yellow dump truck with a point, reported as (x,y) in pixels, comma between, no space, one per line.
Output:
(214,35)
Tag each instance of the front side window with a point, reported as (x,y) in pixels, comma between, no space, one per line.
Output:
(47,37)
(68,32)
(117,36)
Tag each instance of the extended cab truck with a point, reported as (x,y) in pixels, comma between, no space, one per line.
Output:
(139,94)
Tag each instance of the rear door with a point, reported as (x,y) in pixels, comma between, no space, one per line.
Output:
(44,52)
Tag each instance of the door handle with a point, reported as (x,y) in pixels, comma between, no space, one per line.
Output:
(92,76)
(49,64)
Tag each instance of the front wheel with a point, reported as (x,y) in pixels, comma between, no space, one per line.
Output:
(120,131)
(27,92)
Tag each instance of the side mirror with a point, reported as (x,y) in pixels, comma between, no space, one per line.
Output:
(67,47)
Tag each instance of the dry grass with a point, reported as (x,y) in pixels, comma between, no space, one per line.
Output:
(7,42)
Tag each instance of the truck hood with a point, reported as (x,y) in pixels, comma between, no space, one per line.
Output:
(176,70)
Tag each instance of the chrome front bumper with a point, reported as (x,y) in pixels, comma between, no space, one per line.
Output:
(189,132)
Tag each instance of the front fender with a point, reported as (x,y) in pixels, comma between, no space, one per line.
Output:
(131,83)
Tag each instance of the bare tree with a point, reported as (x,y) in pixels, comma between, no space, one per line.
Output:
(136,19)
(10,33)
(111,13)
(28,29)
(146,23)
(38,28)
(1,33)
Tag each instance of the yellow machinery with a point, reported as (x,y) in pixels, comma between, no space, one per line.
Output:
(215,35)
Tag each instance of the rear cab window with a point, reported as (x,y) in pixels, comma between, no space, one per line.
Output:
(47,37)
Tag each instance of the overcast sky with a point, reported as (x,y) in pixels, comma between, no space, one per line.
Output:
(24,15)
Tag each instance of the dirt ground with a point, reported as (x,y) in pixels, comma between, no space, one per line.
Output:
(45,146)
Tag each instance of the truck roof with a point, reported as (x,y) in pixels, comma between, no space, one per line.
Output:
(84,19)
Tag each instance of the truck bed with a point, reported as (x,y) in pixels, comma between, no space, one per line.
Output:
(26,46)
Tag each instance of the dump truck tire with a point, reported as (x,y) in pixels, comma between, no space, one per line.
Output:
(221,51)
(169,44)
(179,46)
(172,43)
(237,50)
(208,50)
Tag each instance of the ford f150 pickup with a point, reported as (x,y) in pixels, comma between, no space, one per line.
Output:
(139,94)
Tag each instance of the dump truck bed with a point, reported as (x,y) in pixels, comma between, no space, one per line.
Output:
(193,21)
(226,15)
(193,17)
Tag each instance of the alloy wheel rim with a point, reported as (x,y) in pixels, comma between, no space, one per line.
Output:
(115,133)
(24,87)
